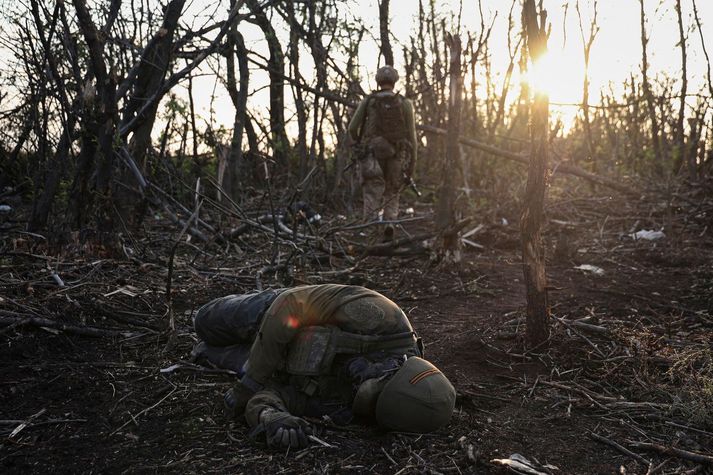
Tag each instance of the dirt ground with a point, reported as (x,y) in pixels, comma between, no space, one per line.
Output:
(642,371)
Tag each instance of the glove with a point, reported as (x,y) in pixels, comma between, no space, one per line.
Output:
(236,399)
(284,430)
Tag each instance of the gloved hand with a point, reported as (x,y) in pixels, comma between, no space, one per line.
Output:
(284,430)
(236,399)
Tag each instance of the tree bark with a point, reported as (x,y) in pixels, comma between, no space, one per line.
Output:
(385,50)
(680,142)
(152,70)
(294,54)
(98,134)
(533,251)
(655,135)
(445,214)
(276,70)
(587,48)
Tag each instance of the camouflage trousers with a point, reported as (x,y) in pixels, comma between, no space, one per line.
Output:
(381,180)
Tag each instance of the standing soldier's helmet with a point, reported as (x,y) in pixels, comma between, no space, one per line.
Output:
(386,74)
(418,398)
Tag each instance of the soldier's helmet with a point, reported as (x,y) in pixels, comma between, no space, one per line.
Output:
(418,398)
(386,74)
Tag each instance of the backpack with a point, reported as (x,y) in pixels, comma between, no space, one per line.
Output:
(385,117)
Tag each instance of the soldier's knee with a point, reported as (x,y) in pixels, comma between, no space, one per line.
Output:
(201,320)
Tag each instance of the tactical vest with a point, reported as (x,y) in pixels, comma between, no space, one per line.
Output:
(313,349)
(385,117)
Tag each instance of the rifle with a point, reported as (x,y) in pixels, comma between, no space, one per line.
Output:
(408,181)
(359,152)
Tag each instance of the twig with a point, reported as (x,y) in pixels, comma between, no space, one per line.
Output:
(620,448)
(314,438)
(169,278)
(133,418)
(393,462)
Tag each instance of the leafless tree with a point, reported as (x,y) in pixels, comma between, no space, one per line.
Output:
(533,254)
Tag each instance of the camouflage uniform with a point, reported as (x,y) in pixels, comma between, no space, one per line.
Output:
(382,168)
(285,373)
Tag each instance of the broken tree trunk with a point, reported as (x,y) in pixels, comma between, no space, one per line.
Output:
(386,50)
(533,253)
(445,215)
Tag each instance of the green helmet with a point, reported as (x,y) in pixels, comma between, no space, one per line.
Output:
(418,398)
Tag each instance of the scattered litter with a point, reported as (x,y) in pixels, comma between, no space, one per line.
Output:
(519,464)
(590,268)
(4,209)
(648,235)
(410,211)
(505,222)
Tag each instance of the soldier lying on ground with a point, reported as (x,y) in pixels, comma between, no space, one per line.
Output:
(321,350)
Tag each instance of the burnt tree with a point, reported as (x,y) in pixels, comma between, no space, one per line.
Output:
(533,252)
(445,213)
(385,49)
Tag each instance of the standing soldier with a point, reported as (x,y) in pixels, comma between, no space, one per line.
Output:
(384,129)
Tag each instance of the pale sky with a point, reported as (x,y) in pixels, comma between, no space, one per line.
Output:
(615,55)
(616,52)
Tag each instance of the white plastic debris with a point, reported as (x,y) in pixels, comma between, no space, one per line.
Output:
(4,209)
(505,222)
(410,211)
(648,235)
(590,268)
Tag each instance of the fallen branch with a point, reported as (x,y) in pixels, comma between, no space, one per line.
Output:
(45,323)
(587,327)
(620,448)
(673,451)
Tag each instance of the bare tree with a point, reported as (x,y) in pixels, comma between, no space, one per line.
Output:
(276,70)
(679,139)
(587,49)
(385,48)
(648,94)
(445,214)
(533,253)
(703,46)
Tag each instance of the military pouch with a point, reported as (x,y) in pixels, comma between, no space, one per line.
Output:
(382,148)
(370,168)
(311,351)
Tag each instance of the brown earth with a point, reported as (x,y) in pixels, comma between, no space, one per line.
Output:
(102,404)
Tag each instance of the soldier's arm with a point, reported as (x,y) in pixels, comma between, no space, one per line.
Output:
(282,320)
(267,398)
(266,413)
(357,120)
(411,128)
